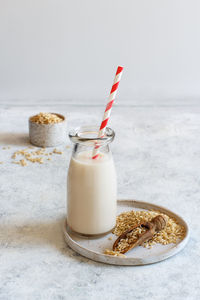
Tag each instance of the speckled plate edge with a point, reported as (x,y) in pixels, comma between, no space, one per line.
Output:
(130,261)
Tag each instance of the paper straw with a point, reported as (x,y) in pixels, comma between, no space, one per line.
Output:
(108,109)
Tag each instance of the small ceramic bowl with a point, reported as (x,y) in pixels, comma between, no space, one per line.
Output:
(48,135)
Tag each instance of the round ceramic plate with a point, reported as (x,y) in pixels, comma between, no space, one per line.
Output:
(94,248)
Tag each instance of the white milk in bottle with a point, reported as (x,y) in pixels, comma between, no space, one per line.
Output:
(91,185)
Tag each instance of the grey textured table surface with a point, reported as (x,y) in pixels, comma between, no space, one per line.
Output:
(157,156)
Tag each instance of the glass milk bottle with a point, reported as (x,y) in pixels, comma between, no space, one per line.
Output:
(91,183)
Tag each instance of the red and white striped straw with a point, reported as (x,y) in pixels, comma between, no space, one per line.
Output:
(108,109)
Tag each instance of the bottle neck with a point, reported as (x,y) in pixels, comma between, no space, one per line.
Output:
(85,139)
(80,147)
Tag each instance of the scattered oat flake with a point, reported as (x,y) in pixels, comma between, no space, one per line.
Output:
(57,152)
(23,162)
(1,162)
(35,159)
(114,253)
(110,238)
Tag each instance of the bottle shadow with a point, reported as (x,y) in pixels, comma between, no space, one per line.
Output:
(38,234)
(14,138)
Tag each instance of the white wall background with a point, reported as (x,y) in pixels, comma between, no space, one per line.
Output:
(69,49)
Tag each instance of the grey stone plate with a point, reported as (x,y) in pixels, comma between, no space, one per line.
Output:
(94,248)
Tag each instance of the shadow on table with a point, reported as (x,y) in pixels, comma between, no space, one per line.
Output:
(14,138)
(38,235)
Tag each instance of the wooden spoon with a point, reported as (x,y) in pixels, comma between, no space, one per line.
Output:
(156,224)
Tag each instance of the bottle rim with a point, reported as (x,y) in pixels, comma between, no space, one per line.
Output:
(88,135)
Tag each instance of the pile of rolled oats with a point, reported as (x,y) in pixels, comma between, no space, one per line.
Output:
(46,118)
(172,233)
